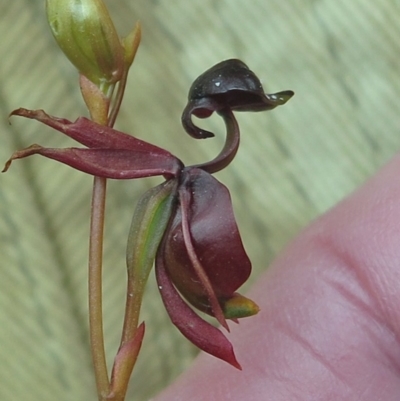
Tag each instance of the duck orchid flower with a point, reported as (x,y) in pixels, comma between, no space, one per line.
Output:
(199,258)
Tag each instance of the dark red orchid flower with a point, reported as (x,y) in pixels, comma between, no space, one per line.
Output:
(201,257)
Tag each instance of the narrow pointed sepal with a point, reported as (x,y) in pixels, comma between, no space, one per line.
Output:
(20,154)
(117,164)
(201,276)
(91,134)
(111,153)
(202,334)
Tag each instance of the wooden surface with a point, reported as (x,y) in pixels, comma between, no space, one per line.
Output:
(340,57)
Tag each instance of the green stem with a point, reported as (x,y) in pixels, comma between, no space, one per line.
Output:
(132,310)
(118,99)
(99,114)
(99,106)
(95,287)
(96,252)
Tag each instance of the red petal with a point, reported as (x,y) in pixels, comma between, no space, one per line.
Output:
(90,134)
(215,237)
(201,275)
(198,331)
(109,163)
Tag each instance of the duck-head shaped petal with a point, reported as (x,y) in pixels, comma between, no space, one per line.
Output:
(229,84)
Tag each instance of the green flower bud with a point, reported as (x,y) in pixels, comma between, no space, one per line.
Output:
(86,34)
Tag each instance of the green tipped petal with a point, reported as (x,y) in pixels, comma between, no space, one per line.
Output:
(239,306)
(86,34)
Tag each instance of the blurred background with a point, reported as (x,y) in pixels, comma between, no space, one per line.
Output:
(340,57)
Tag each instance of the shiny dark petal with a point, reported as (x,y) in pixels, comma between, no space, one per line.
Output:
(224,77)
(216,240)
(227,85)
(232,84)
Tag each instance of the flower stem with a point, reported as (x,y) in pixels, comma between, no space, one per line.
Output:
(95,287)
(98,105)
(132,311)
(98,101)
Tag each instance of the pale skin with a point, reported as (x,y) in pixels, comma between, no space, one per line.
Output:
(329,326)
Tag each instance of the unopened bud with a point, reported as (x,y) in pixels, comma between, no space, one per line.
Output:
(86,34)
